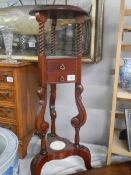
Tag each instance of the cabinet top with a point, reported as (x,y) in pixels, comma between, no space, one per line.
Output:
(18,64)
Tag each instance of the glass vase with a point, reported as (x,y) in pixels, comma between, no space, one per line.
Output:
(7,33)
(125,74)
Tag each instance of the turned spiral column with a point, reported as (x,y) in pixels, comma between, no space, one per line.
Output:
(53,86)
(41,125)
(53,36)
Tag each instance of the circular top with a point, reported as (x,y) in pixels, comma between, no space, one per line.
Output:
(59,11)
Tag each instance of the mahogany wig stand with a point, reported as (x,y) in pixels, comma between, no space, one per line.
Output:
(54,70)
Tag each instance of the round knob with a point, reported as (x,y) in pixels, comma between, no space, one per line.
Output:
(62,79)
(62,67)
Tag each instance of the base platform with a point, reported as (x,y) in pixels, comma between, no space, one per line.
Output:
(59,148)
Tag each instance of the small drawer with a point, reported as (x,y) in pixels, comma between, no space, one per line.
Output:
(65,77)
(6,77)
(7,112)
(9,126)
(7,95)
(61,65)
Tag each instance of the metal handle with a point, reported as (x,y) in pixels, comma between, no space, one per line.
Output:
(62,79)
(62,67)
(4,95)
(8,127)
(5,74)
(5,112)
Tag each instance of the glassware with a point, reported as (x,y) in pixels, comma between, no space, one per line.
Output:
(125,74)
(23,40)
(7,33)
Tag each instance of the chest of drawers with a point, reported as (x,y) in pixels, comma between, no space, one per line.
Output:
(18,100)
(62,70)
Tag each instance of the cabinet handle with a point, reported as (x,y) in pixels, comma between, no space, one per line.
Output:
(61,79)
(4,95)
(62,67)
(7,111)
(7,127)
(5,74)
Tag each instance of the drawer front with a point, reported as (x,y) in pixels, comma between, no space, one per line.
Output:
(7,112)
(61,65)
(61,70)
(7,95)
(65,77)
(6,77)
(9,126)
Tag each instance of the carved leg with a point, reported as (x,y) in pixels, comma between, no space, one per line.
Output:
(42,127)
(52,109)
(84,153)
(37,163)
(77,122)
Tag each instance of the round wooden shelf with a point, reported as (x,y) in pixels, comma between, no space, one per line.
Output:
(59,11)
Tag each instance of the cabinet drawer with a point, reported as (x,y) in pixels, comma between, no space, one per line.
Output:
(6,77)
(61,65)
(9,126)
(7,95)
(7,112)
(65,77)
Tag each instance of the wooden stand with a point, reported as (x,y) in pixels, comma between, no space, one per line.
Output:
(53,70)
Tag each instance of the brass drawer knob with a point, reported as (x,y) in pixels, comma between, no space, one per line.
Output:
(7,111)
(62,67)
(4,95)
(61,79)
(10,127)
(5,74)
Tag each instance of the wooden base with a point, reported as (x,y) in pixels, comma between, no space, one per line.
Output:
(51,154)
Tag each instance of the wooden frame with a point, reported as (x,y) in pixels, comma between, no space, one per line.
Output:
(128,125)
(96,38)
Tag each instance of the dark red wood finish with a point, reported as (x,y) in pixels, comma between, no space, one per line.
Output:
(53,70)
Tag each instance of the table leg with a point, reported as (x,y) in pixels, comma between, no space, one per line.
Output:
(52,109)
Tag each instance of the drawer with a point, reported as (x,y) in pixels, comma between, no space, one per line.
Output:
(7,95)
(9,126)
(6,76)
(7,112)
(65,77)
(61,65)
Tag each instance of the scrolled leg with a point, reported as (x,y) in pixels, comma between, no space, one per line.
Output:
(79,120)
(42,127)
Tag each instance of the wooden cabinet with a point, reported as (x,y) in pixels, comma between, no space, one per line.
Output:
(18,100)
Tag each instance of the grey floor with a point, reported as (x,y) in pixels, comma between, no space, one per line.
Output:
(66,166)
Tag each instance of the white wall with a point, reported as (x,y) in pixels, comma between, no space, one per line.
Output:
(97,81)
